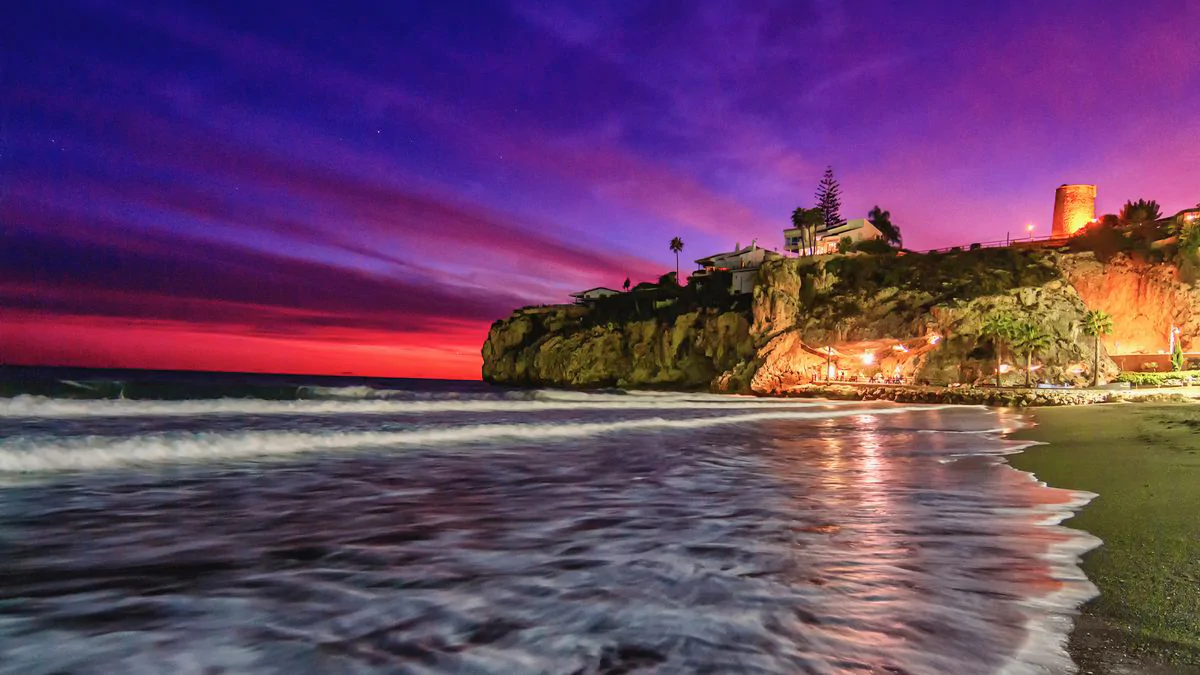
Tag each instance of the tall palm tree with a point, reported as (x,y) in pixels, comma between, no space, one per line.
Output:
(1027,339)
(676,248)
(1097,323)
(882,220)
(800,220)
(998,327)
(808,220)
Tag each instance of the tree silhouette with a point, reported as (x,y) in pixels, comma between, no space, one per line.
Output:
(626,283)
(997,328)
(1027,339)
(882,220)
(829,199)
(1141,212)
(1097,323)
(807,221)
(676,248)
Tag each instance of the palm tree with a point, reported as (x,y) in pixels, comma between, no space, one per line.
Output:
(998,327)
(801,218)
(1141,212)
(807,221)
(626,283)
(1027,338)
(676,248)
(882,220)
(1097,323)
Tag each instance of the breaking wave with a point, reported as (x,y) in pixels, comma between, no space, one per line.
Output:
(38,406)
(35,455)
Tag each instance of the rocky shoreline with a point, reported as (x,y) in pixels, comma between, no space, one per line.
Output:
(990,396)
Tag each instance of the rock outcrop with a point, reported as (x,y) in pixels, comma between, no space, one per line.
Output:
(919,317)
(916,316)
(555,346)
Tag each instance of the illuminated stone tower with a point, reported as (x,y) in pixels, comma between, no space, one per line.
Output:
(1074,208)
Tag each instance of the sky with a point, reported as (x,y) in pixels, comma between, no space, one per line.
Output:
(363,188)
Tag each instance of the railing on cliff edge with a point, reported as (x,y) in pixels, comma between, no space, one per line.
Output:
(1051,241)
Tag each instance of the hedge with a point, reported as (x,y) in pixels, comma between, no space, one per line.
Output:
(1157,379)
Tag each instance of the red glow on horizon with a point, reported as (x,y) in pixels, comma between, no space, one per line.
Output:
(85,341)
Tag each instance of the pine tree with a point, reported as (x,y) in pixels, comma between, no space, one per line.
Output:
(829,199)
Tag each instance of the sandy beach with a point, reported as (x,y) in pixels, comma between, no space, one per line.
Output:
(1143,460)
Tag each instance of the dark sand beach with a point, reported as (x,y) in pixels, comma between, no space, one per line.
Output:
(1143,460)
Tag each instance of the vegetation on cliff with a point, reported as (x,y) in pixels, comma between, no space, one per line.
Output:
(890,310)
(809,303)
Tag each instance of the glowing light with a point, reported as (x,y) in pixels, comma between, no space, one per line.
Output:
(1036,367)
(868,358)
(832,371)
(900,348)
(1029,227)
(1004,368)
(934,339)
(1077,369)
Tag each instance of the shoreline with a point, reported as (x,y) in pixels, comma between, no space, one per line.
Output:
(1005,397)
(1143,464)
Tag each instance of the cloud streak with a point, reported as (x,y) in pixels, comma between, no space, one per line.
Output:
(360,186)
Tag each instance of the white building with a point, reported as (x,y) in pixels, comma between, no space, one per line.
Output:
(743,263)
(859,229)
(584,297)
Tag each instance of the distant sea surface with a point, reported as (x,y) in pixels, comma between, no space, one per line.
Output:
(188,523)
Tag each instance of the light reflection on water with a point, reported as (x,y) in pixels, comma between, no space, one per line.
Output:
(846,544)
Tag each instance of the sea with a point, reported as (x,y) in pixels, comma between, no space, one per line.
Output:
(188,523)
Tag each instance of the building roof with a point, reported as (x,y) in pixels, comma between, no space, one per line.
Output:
(592,290)
(711,260)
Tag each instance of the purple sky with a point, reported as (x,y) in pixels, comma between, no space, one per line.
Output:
(363,188)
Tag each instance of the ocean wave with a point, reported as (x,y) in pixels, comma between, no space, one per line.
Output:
(34,455)
(43,407)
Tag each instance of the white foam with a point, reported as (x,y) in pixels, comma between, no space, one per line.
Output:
(42,407)
(33,455)
(1050,618)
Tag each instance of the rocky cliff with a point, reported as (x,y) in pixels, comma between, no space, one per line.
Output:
(558,346)
(915,316)
(1145,300)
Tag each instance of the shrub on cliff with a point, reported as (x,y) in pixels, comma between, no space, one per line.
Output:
(1141,212)
(875,246)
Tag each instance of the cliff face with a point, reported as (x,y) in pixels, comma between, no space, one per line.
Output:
(1144,299)
(554,346)
(916,316)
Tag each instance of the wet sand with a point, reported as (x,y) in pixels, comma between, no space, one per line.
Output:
(1143,460)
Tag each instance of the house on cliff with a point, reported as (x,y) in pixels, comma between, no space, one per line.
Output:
(1186,216)
(859,229)
(591,294)
(741,263)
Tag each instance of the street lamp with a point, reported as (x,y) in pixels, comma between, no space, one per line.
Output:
(1029,227)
